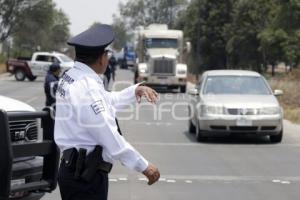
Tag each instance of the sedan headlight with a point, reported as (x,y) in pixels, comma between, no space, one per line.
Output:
(212,110)
(269,111)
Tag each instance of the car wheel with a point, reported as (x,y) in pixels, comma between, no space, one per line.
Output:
(183,89)
(192,127)
(199,134)
(20,75)
(31,78)
(276,138)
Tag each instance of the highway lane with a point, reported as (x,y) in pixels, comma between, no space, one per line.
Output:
(226,168)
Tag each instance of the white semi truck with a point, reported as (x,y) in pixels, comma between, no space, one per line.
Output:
(161,56)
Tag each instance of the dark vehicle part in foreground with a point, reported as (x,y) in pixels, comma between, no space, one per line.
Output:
(31,187)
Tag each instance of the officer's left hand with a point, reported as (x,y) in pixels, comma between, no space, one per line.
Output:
(150,94)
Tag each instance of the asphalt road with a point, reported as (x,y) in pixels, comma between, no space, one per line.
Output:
(236,168)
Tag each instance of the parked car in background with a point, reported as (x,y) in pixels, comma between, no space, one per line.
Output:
(25,169)
(226,102)
(37,65)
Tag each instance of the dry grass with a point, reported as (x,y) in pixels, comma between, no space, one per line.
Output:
(191,78)
(290,101)
(2,68)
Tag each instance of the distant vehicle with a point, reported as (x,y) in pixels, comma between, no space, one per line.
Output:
(23,131)
(226,102)
(161,57)
(37,65)
(129,57)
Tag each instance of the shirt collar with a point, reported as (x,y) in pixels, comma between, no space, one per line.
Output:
(88,70)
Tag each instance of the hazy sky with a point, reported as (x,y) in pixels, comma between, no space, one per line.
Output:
(83,13)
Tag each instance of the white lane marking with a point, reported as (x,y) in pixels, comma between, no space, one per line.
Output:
(155,123)
(162,179)
(231,178)
(142,179)
(276,181)
(171,181)
(189,179)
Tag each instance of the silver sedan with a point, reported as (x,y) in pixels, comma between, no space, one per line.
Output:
(228,102)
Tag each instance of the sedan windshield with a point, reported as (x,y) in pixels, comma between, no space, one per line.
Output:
(242,85)
(161,43)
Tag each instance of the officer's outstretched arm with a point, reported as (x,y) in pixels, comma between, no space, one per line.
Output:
(123,98)
(131,94)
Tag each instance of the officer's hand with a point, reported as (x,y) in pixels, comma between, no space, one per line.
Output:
(152,174)
(150,94)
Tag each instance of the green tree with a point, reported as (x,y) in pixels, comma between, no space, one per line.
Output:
(144,12)
(249,18)
(280,40)
(204,24)
(59,31)
(41,27)
(10,11)
(121,34)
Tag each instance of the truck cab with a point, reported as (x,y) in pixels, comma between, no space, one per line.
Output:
(161,58)
(41,61)
(38,65)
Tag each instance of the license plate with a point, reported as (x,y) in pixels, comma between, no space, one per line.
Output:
(162,77)
(244,122)
(163,82)
(17,182)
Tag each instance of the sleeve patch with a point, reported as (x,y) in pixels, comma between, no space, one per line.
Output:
(98,107)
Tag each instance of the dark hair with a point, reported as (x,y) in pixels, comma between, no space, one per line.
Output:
(54,67)
(87,55)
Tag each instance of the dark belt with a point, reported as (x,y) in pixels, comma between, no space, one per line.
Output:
(85,166)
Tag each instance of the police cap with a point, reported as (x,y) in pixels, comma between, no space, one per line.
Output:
(97,37)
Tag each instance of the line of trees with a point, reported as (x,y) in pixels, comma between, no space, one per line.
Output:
(30,25)
(227,33)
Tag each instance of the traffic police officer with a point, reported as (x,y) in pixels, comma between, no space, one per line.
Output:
(50,84)
(85,127)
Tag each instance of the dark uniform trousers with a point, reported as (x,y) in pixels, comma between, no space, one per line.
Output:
(72,189)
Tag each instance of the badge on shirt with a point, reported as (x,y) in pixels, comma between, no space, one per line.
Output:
(98,107)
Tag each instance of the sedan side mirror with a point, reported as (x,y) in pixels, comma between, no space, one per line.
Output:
(278,92)
(193,91)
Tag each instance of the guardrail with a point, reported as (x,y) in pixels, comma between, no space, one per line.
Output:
(45,148)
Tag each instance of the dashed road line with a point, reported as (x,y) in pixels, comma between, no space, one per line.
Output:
(286,180)
(205,145)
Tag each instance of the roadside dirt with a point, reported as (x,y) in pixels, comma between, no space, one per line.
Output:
(2,68)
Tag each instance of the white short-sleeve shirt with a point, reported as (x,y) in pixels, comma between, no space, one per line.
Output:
(85,117)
